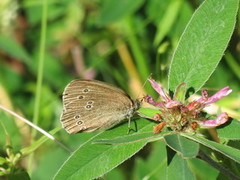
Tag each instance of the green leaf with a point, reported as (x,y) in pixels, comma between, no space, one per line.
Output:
(230,131)
(2,160)
(142,136)
(154,167)
(29,149)
(13,135)
(14,49)
(180,92)
(102,157)
(186,147)
(200,167)
(49,164)
(156,163)
(147,112)
(115,174)
(140,169)
(178,169)
(167,21)
(22,175)
(114,10)
(228,151)
(203,43)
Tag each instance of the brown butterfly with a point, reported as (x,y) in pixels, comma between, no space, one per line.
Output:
(89,105)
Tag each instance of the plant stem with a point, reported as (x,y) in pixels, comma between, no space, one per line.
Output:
(39,78)
(36,128)
(217,166)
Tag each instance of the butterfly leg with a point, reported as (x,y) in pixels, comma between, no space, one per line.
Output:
(129,126)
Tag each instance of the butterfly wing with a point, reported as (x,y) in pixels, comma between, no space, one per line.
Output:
(90,105)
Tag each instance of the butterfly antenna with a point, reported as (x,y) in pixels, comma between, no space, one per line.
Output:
(143,86)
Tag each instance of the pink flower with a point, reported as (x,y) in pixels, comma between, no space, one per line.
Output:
(220,94)
(167,101)
(221,119)
(158,88)
(150,100)
(179,117)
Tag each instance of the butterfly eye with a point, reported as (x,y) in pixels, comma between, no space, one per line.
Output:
(85,90)
(79,123)
(77,117)
(88,106)
(80,97)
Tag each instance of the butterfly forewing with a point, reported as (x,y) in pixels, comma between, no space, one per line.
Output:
(90,105)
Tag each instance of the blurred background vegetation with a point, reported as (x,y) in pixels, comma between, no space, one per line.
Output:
(120,42)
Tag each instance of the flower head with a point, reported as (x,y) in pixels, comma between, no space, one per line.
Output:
(179,117)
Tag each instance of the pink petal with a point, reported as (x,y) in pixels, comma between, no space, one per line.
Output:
(172,104)
(157,87)
(202,100)
(194,105)
(204,97)
(220,94)
(151,101)
(205,100)
(221,119)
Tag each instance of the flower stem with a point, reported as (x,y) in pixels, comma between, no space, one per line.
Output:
(223,170)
